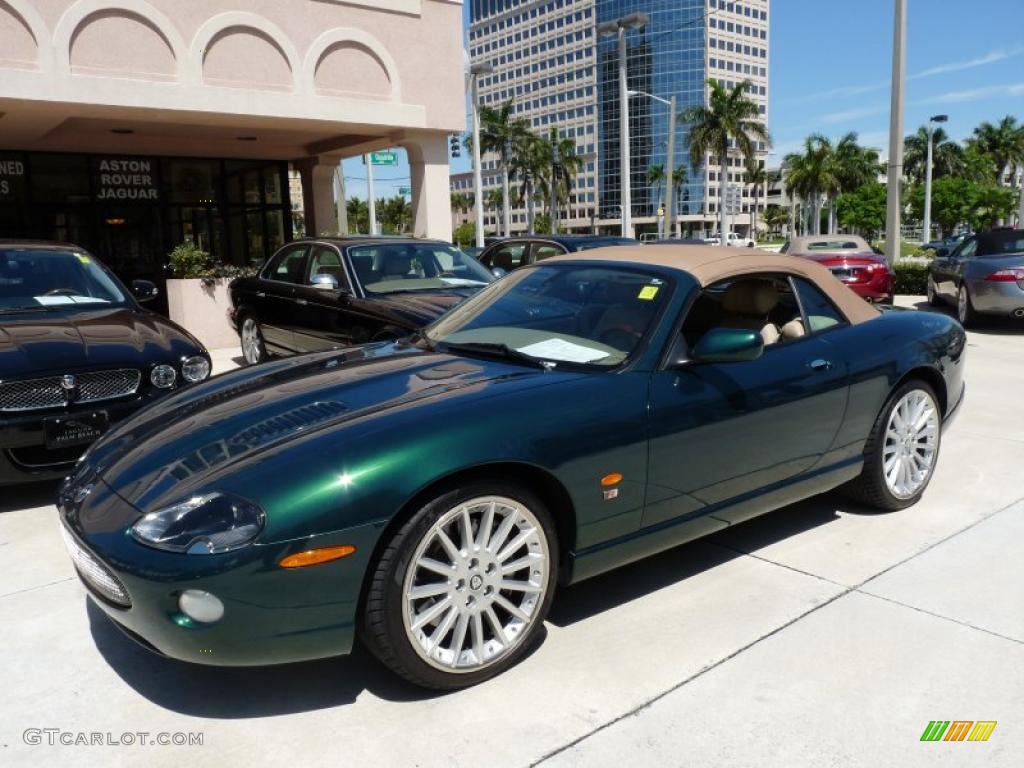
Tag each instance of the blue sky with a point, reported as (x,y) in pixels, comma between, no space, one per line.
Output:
(830,68)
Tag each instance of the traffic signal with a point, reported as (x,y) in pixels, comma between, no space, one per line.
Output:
(455,145)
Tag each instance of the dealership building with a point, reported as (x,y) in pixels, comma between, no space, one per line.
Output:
(128,126)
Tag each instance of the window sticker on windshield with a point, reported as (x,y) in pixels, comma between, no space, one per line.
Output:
(566,351)
(83,258)
(648,292)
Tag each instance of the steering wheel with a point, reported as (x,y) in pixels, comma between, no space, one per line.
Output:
(61,292)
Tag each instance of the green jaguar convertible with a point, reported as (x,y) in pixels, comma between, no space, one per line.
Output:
(425,497)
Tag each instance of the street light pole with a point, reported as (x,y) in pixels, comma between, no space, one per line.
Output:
(474,75)
(927,234)
(671,157)
(619,27)
(893,234)
(371,200)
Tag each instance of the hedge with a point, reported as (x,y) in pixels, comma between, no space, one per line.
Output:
(911,279)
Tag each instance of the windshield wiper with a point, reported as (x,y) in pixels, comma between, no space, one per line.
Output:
(501,350)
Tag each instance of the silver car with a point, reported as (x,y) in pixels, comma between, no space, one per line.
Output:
(984,275)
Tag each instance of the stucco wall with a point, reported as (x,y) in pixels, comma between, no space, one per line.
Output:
(322,59)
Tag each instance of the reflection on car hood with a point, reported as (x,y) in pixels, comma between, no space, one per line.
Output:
(415,309)
(183,443)
(60,341)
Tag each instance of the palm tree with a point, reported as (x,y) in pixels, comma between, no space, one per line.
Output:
(358,215)
(757,177)
(1000,143)
(500,132)
(853,166)
(812,175)
(728,118)
(947,155)
(530,164)
(775,217)
(564,165)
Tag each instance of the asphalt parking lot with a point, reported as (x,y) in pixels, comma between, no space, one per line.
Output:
(821,634)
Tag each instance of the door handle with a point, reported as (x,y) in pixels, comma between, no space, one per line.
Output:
(301,302)
(261,294)
(820,365)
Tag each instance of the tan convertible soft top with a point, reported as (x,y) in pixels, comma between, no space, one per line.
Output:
(711,263)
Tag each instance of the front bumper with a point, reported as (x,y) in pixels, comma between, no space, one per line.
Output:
(271,615)
(996,298)
(23,454)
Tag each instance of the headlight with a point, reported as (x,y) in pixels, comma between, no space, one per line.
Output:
(163,376)
(203,525)
(195,369)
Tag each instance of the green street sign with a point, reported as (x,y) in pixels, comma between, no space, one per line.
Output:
(384,158)
(405,190)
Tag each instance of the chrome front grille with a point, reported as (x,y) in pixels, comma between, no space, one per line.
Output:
(49,392)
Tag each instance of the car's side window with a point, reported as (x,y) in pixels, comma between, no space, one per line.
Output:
(288,266)
(326,261)
(819,313)
(545,251)
(967,248)
(508,257)
(759,302)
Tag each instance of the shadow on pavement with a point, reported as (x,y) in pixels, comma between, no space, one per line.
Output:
(244,692)
(28,496)
(991,325)
(610,590)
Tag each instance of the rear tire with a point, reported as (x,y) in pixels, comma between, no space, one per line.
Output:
(254,351)
(443,608)
(902,450)
(965,311)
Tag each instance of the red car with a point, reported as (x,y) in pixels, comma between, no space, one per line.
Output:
(852,260)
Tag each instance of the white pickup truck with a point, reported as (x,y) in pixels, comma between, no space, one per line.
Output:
(735,240)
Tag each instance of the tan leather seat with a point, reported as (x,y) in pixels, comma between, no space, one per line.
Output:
(794,329)
(750,302)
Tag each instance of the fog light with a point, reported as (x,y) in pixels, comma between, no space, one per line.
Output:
(195,369)
(163,376)
(201,606)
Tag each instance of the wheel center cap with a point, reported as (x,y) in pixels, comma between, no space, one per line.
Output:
(476,582)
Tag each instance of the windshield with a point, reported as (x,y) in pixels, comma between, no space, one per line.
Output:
(394,267)
(39,279)
(559,313)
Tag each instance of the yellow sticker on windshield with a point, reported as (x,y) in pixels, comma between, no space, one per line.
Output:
(648,292)
(82,258)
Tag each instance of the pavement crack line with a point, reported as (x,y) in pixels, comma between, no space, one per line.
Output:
(844,592)
(37,586)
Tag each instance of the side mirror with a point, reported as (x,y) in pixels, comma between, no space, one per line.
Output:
(144,290)
(498,272)
(325,283)
(728,345)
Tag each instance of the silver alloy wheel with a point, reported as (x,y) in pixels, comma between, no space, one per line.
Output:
(475,584)
(911,442)
(961,304)
(251,341)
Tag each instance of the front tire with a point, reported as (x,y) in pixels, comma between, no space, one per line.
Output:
(932,292)
(902,449)
(461,591)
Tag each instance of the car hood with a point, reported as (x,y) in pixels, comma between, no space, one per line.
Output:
(60,341)
(415,309)
(241,421)
(843,259)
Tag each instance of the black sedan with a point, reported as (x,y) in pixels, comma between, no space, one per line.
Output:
(77,353)
(314,295)
(514,252)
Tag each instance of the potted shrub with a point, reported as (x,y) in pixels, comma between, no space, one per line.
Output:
(197,295)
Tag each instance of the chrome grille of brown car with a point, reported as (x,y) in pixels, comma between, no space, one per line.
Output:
(49,392)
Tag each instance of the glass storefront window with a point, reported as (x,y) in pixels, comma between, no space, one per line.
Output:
(59,178)
(192,181)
